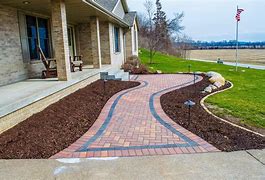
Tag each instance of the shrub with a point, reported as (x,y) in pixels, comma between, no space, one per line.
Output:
(133,65)
(142,69)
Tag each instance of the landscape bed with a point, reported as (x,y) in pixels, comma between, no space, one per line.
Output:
(59,125)
(220,134)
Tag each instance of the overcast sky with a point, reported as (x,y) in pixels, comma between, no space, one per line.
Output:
(215,19)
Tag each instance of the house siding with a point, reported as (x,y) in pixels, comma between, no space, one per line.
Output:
(12,67)
(119,11)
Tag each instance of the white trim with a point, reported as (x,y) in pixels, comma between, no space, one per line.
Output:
(117,6)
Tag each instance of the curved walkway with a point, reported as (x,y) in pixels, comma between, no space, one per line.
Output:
(132,123)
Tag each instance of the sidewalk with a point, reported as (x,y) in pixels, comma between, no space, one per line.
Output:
(251,66)
(236,165)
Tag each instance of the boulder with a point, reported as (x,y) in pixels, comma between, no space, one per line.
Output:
(218,84)
(213,87)
(219,79)
(208,89)
(212,73)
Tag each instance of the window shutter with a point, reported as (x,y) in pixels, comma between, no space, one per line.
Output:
(23,37)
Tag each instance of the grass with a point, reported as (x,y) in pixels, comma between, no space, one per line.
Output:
(245,101)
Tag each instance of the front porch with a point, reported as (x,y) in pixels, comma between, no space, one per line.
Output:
(23,99)
(55,27)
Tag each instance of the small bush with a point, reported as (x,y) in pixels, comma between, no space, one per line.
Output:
(142,69)
(134,66)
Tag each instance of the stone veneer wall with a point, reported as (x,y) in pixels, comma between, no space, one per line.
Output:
(129,44)
(105,42)
(84,42)
(12,68)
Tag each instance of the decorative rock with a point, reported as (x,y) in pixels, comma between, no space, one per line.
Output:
(218,84)
(219,79)
(213,87)
(212,73)
(208,89)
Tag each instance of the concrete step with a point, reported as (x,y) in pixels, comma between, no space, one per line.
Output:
(114,74)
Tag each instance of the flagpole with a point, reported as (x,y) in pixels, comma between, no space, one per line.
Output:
(237,42)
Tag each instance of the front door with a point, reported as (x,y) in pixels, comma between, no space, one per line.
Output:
(71,41)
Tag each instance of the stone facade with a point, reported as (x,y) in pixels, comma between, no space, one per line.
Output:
(128,42)
(60,39)
(95,42)
(12,67)
(132,42)
(83,43)
(105,43)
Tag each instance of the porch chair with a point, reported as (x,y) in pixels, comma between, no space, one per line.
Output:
(50,72)
(76,62)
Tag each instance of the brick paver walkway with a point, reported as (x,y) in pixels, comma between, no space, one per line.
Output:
(132,123)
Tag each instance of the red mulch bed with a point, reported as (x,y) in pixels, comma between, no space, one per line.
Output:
(220,134)
(59,125)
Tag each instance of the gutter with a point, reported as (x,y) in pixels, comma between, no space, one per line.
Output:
(104,11)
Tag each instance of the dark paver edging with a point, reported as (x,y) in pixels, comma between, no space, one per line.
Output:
(202,102)
(165,124)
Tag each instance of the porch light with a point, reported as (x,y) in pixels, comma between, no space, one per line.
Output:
(26,2)
(189,104)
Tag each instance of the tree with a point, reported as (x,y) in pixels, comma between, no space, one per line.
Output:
(157,33)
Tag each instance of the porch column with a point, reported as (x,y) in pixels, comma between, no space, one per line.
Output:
(95,42)
(60,39)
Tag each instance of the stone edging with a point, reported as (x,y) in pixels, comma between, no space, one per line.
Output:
(221,119)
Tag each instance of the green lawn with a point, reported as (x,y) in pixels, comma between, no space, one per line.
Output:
(245,101)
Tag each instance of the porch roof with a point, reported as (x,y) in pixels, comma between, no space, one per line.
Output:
(78,11)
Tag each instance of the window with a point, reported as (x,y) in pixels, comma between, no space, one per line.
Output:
(116,39)
(38,35)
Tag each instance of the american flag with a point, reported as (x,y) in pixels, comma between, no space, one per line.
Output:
(239,11)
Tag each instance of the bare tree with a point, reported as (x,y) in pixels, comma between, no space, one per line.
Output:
(151,36)
(184,45)
(156,31)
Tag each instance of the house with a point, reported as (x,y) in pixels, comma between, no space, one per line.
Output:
(104,32)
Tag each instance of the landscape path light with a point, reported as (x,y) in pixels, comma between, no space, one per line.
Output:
(189,104)
(129,72)
(104,84)
(194,82)
(189,66)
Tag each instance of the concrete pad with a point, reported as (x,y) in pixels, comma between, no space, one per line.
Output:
(259,154)
(237,165)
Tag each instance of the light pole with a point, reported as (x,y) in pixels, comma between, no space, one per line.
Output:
(189,104)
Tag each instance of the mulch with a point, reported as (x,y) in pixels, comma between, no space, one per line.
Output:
(59,125)
(220,134)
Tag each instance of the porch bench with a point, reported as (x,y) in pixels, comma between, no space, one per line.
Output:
(76,62)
